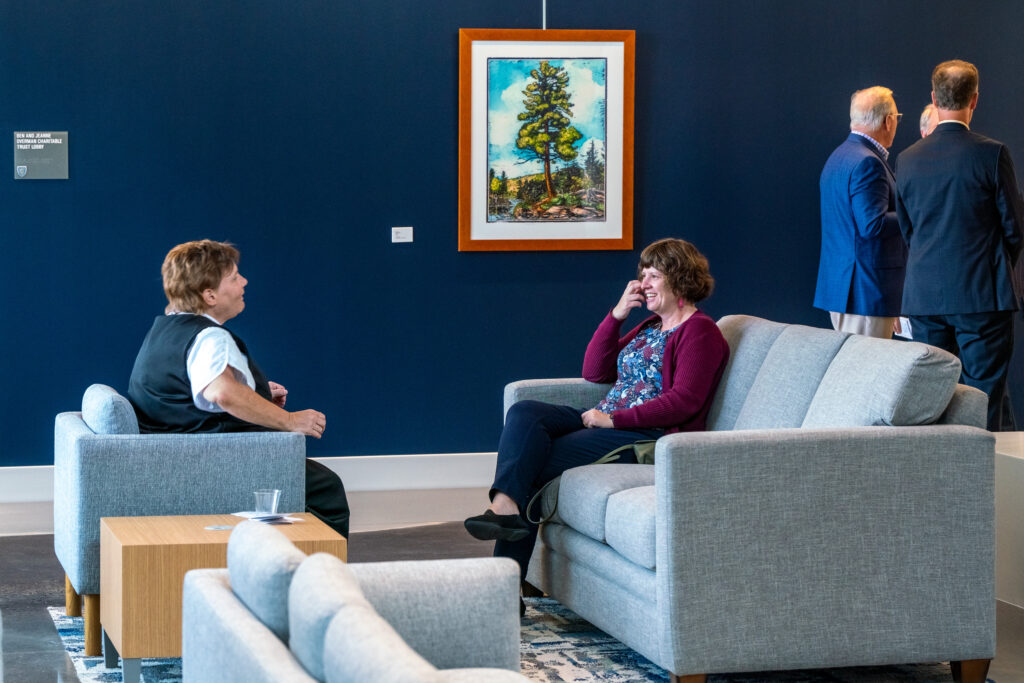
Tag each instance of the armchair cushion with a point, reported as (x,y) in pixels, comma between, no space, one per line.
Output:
(874,382)
(261,561)
(361,646)
(322,587)
(107,412)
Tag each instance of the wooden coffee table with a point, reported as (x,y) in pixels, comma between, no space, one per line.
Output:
(143,561)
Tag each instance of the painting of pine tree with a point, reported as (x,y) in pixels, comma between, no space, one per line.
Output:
(546,133)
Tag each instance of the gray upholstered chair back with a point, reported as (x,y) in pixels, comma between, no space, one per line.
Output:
(783,375)
(103,467)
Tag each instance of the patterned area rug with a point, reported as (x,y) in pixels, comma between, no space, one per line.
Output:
(557,646)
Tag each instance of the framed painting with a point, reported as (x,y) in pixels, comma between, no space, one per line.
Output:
(545,140)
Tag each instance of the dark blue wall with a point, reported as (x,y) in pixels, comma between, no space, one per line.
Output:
(302,131)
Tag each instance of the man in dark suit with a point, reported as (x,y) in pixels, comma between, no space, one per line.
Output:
(961,214)
(860,273)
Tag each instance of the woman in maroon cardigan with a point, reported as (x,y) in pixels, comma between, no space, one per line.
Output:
(665,372)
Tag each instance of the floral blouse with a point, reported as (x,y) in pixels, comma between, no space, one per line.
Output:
(639,378)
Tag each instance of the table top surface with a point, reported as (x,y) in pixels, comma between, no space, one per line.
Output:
(192,529)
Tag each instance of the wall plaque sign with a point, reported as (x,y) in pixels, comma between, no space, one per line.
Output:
(41,155)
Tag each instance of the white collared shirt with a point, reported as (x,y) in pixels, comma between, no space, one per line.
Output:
(213,350)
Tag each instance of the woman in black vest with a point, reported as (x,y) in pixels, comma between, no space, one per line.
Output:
(194,375)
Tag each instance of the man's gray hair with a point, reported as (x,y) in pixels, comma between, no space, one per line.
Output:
(954,84)
(870,106)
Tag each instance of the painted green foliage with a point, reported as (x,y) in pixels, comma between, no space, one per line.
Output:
(546,133)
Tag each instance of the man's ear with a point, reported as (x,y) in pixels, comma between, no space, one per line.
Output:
(974,101)
(209,297)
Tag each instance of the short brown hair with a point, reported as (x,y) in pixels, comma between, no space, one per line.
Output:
(685,268)
(193,267)
(954,84)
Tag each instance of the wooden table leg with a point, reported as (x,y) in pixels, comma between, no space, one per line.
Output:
(72,601)
(970,670)
(93,641)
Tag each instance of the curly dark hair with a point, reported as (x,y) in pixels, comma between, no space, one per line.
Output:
(684,267)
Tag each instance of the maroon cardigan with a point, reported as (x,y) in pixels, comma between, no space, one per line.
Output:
(693,362)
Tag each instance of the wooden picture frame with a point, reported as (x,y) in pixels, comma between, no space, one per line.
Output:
(545,140)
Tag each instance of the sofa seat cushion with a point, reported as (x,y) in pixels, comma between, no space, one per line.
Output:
(584,492)
(261,562)
(105,411)
(597,558)
(878,382)
(629,524)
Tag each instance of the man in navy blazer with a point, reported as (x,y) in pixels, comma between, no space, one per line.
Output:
(860,273)
(961,214)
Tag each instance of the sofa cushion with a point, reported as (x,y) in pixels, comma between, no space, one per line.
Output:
(629,524)
(322,586)
(105,411)
(788,378)
(261,562)
(584,492)
(877,382)
(361,646)
(750,339)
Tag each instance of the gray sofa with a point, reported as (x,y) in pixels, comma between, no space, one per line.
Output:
(103,467)
(277,616)
(838,512)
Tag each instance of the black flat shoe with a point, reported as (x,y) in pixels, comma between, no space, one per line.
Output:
(492,527)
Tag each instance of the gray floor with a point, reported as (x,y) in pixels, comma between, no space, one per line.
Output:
(31,579)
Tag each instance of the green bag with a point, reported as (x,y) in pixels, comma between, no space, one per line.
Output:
(643,450)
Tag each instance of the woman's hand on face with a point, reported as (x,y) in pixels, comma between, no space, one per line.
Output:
(594,418)
(631,298)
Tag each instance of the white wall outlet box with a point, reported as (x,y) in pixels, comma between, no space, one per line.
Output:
(401,234)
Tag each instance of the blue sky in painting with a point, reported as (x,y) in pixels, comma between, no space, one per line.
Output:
(506,80)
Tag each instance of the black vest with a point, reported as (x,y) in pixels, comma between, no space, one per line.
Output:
(159,389)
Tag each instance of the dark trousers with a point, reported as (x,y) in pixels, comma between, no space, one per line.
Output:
(985,345)
(538,443)
(325,496)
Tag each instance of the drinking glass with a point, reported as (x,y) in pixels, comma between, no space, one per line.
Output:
(266,501)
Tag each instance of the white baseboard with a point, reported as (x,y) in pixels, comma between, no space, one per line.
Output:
(26,484)
(360,473)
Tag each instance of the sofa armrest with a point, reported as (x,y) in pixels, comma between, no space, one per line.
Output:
(126,475)
(868,545)
(221,640)
(569,391)
(453,613)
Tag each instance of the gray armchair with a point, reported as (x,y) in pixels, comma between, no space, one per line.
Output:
(103,467)
(839,511)
(277,615)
